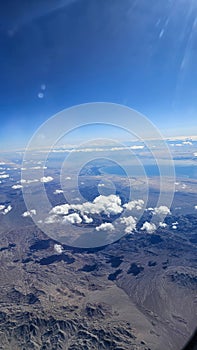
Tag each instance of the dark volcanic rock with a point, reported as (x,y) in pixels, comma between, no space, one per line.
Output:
(55,258)
(89,268)
(135,269)
(113,276)
(115,261)
(40,245)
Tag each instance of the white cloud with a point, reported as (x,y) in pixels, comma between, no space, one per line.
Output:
(148,227)
(184,186)
(174,225)
(73,218)
(162,224)
(106,226)
(162,210)
(150,209)
(58,248)
(130,223)
(16,187)
(87,219)
(195,207)
(135,204)
(137,147)
(62,209)
(4,176)
(51,219)
(6,210)
(101,185)
(38,167)
(29,213)
(96,149)
(45,179)
(187,143)
(195,154)
(68,178)
(23,181)
(109,205)
(58,191)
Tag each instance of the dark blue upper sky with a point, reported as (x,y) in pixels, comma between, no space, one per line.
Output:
(56,54)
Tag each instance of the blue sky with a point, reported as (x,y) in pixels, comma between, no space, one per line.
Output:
(61,53)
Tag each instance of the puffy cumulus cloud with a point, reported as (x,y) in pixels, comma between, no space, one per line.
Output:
(73,218)
(174,225)
(4,176)
(109,205)
(106,226)
(16,187)
(162,224)
(87,219)
(46,179)
(195,207)
(58,248)
(162,210)
(58,191)
(5,210)
(135,204)
(148,227)
(129,222)
(62,209)
(195,154)
(29,213)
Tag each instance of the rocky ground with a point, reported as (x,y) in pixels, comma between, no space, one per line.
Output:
(138,293)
